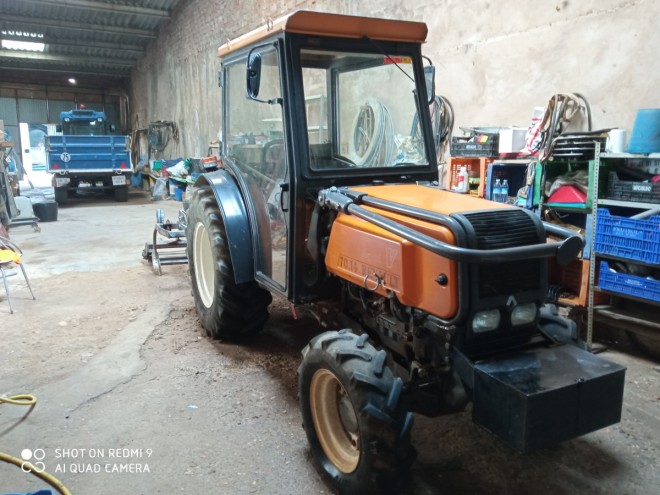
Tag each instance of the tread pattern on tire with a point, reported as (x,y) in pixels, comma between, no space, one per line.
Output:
(237,311)
(376,394)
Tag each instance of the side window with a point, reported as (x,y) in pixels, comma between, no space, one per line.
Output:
(251,125)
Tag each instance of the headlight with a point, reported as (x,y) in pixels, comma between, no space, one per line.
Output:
(485,321)
(523,314)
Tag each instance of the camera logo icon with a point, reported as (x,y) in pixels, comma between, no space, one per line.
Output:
(33,460)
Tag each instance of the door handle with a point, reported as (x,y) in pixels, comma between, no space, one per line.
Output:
(284,187)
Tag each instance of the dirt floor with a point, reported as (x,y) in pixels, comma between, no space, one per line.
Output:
(134,398)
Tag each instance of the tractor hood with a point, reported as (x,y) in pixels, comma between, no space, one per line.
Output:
(429,198)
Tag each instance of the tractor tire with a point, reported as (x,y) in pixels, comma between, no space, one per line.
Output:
(61,195)
(121,194)
(357,428)
(227,310)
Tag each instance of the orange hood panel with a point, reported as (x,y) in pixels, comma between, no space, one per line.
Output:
(430,198)
(371,257)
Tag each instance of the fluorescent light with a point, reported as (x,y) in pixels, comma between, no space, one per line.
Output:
(23,45)
(72,80)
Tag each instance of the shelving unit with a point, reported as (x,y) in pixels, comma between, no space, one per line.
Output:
(641,314)
(574,277)
(471,164)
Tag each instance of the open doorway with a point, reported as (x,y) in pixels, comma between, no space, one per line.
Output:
(33,152)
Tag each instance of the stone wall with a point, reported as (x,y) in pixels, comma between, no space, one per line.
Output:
(495,60)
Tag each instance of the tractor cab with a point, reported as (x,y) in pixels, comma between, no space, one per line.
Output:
(312,101)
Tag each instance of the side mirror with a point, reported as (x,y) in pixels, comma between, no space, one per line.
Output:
(253,74)
(58,128)
(429,76)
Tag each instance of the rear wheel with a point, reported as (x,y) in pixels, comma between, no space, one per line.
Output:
(121,193)
(227,310)
(62,195)
(357,428)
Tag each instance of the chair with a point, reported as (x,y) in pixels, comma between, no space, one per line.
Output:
(10,254)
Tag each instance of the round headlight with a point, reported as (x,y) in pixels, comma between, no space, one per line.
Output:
(524,314)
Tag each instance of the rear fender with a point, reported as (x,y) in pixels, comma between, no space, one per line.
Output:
(235,218)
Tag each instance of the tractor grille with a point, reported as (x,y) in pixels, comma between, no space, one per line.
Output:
(502,229)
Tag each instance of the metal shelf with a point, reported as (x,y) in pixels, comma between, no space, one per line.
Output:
(612,313)
(629,204)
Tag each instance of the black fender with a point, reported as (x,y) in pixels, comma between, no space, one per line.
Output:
(235,218)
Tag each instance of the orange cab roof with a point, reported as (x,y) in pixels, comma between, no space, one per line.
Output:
(323,24)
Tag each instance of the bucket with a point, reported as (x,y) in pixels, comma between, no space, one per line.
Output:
(645,137)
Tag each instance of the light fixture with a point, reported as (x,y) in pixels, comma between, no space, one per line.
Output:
(29,41)
(72,80)
(23,45)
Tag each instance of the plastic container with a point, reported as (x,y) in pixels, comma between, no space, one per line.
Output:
(624,190)
(45,211)
(645,137)
(497,190)
(504,192)
(631,285)
(628,238)
(463,183)
(483,145)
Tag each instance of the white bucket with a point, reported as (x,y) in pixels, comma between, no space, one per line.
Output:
(616,141)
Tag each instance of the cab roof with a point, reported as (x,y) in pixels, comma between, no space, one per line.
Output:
(324,24)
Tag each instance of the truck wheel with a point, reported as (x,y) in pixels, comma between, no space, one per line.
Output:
(61,195)
(227,310)
(356,426)
(121,194)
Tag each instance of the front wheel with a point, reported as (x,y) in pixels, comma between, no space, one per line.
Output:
(355,423)
(227,310)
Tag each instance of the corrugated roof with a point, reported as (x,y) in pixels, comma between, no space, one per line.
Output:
(97,42)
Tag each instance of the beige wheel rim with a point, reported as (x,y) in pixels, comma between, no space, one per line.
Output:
(203,263)
(335,421)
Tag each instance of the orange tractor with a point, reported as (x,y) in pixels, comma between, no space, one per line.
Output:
(327,196)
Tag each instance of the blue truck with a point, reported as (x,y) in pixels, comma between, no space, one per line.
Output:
(87,155)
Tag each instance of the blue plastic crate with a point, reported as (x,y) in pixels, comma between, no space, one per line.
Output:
(628,238)
(628,284)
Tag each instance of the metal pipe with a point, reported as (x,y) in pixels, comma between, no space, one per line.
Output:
(564,251)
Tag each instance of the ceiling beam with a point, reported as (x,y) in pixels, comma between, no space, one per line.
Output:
(6,69)
(70,59)
(54,41)
(105,7)
(19,23)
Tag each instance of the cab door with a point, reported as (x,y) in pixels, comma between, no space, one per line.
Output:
(256,143)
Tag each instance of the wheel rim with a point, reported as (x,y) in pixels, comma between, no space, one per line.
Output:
(204,265)
(335,421)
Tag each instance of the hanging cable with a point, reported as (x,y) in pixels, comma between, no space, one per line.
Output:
(372,143)
(442,122)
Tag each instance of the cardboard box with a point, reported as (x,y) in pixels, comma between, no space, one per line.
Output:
(512,139)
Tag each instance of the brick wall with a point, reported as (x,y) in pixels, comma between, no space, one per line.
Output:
(496,60)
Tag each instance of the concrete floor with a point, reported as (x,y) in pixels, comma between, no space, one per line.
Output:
(122,370)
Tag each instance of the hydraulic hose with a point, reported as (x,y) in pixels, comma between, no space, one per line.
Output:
(30,400)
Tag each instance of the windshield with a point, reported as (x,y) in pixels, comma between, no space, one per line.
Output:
(92,127)
(370,120)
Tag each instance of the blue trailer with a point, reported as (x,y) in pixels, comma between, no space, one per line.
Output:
(87,155)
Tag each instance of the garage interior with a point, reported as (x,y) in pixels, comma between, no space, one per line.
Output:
(134,397)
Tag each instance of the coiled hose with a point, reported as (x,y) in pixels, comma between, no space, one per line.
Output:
(30,400)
